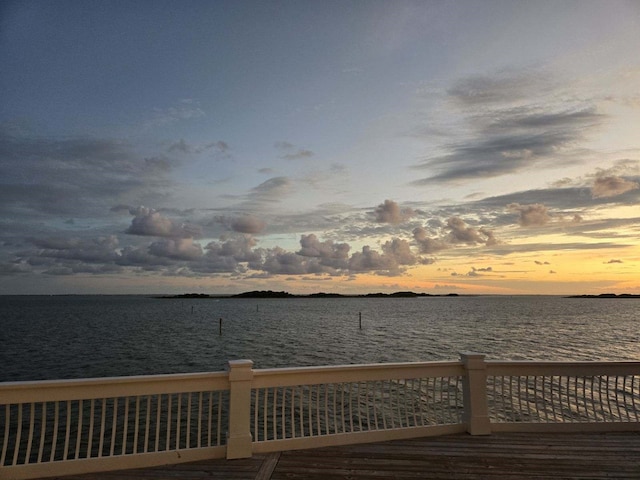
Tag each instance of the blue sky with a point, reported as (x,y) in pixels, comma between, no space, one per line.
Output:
(476,147)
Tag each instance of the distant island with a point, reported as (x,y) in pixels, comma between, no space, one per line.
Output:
(272,294)
(607,295)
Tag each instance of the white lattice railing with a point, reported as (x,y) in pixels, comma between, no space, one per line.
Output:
(297,408)
(553,395)
(75,426)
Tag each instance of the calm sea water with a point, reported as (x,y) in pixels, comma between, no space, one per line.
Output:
(54,337)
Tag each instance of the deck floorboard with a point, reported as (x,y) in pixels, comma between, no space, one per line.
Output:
(499,456)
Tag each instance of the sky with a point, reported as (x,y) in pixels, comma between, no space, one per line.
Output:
(320,146)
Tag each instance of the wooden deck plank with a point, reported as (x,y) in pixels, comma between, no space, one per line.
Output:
(499,456)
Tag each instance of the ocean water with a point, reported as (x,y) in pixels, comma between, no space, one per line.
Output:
(57,337)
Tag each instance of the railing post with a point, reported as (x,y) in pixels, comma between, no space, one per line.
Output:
(239,441)
(476,410)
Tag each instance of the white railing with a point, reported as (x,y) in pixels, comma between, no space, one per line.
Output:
(563,396)
(301,408)
(76,426)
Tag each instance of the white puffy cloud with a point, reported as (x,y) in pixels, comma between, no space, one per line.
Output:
(240,249)
(177,248)
(148,222)
(313,247)
(400,250)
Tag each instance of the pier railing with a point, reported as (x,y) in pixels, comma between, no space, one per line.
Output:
(51,428)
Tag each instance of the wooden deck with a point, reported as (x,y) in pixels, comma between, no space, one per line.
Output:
(461,456)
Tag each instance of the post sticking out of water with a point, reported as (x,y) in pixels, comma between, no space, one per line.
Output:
(360,319)
(191,308)
(220,327)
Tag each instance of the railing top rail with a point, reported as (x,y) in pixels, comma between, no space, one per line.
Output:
(350,373)
(526,367)
(88,388)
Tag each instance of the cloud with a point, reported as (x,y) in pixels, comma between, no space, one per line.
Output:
(148,222)
(610,186)
(179,147)
(505,86)
(291,152)
(614,261)
(395,255)
(427,244)
(94,250)
(248,224)
(186,109)
(272,190)
(535,215)
(327,257)
(330,254)
(219,147)
(177,248)
(75,176)
(505,132)
(390,212)
(400,250)
(298,154)
(461,233)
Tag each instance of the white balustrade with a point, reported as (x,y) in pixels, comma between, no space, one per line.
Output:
(75,426)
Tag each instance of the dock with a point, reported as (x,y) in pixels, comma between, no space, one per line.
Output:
(457,456)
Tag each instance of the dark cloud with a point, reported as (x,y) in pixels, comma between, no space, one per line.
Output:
(506,86)
(535,215)
(94,250)
(611,186)
(507,133)
(614,261)
(248,224)
(390,212)
(182,147)
(73,176)
(511,248)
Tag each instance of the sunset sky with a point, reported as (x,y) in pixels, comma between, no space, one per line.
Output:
(339,146)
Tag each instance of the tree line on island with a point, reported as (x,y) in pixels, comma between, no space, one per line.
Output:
(403,294)
(272,294)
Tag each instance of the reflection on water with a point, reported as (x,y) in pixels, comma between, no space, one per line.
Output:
(96,336)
